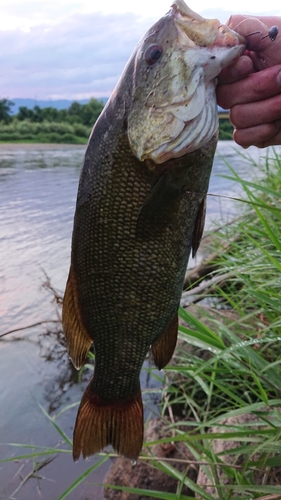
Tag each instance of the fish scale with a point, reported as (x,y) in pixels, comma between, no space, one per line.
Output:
(140,210)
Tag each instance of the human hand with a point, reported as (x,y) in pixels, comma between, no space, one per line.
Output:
(263,52)
(251,87)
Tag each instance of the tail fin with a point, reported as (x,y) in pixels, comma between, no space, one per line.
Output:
(101,422)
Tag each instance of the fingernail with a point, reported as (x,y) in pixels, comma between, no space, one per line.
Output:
(278,79)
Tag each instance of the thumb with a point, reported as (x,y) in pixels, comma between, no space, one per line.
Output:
(254,29)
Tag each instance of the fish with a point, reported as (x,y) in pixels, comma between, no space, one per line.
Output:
(140,212)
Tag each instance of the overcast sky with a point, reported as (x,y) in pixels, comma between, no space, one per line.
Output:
(64,49)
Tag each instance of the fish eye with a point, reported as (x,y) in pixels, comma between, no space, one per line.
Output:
(153,54)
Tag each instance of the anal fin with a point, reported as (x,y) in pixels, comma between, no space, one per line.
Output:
(102,422)
(163,349)
(77,337)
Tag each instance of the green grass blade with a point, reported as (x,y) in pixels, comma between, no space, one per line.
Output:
(57,427)
(149,493)
(201,328)
(82,478)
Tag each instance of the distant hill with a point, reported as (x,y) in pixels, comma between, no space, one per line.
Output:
(58,104)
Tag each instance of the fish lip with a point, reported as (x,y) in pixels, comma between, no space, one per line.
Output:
(180,7)
(203,32)
(226,37)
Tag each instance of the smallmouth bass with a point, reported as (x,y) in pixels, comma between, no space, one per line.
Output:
(140,211)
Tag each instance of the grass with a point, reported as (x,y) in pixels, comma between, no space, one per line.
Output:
(26,131)
(23,131)
(225,376)
(225,129)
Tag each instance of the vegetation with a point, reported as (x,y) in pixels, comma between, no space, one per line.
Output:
(44,132)
(5,110)
(226,375)
(223,385)
(51,125)
(40,125)
(225,130)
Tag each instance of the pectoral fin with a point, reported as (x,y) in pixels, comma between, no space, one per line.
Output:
(199,227)
(159,204)
(163,348)
(77,338)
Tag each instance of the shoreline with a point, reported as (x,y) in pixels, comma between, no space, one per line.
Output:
(12,146)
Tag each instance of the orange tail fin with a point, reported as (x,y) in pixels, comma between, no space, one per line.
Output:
(101,422)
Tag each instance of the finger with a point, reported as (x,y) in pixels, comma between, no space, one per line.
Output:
(256,87)
(256,113)
(260,136)
(275,140)
(247,25)
(264,51)
(236,71)
(270,57)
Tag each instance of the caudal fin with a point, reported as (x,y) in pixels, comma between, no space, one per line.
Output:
(102,422)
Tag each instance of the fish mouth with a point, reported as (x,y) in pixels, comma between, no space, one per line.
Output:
(203,32)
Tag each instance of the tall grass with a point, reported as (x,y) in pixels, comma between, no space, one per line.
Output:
(226,375)
(229,381)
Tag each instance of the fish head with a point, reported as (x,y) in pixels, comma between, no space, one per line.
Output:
(173,108)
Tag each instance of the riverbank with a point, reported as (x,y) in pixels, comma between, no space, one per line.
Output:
(49,125)
(30,146)
(48,132)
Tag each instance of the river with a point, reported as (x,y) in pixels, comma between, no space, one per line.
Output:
(38,185)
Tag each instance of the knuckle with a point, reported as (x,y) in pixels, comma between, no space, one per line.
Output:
(261,85)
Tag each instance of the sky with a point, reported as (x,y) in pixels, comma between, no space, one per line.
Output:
(67,49)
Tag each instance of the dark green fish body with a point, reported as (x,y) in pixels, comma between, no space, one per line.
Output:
(129,266)
(138,216)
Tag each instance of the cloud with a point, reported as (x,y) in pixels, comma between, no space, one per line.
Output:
(80,56)
(224,14)
(68,54)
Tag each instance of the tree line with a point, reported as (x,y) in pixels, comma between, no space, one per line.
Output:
(85,114)
(71,125)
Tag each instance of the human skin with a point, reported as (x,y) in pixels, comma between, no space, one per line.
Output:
(251,87)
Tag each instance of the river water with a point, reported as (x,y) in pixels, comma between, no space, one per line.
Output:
(38,186)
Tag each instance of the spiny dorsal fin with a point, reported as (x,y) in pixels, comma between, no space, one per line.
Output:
(77,338)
